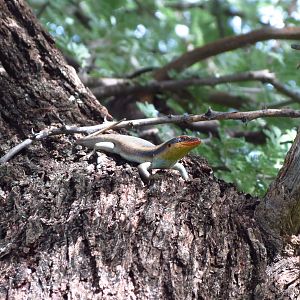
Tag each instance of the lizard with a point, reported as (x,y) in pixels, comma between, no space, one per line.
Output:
(150,156)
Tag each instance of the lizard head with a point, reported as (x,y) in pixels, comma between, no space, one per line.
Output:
(178,147)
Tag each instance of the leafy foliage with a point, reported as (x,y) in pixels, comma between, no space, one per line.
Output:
(249,166)
(119,37)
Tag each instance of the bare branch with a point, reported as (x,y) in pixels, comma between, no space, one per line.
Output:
(229,100)
(139,72)
(295,46)
(226,44)
(211,115)
(185,5)
(264,76)
(42,9)
(93,82)
(179,119)
(202,5)
(281,104)
(281,88)
(254,137)
(103,82)
(159,86)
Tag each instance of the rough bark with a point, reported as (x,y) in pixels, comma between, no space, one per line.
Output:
(279,212)
(106,235)
(33,71)
(71,230)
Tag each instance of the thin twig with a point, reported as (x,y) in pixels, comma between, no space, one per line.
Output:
(111,126)
(182,5)
(183,119)
(54,131)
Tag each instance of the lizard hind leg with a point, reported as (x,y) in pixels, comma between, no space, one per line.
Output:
(105,146)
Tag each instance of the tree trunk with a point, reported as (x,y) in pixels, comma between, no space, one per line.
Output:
(72,230)
(279,213)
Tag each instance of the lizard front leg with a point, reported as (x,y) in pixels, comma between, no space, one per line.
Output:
(143,170)
(179,167)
